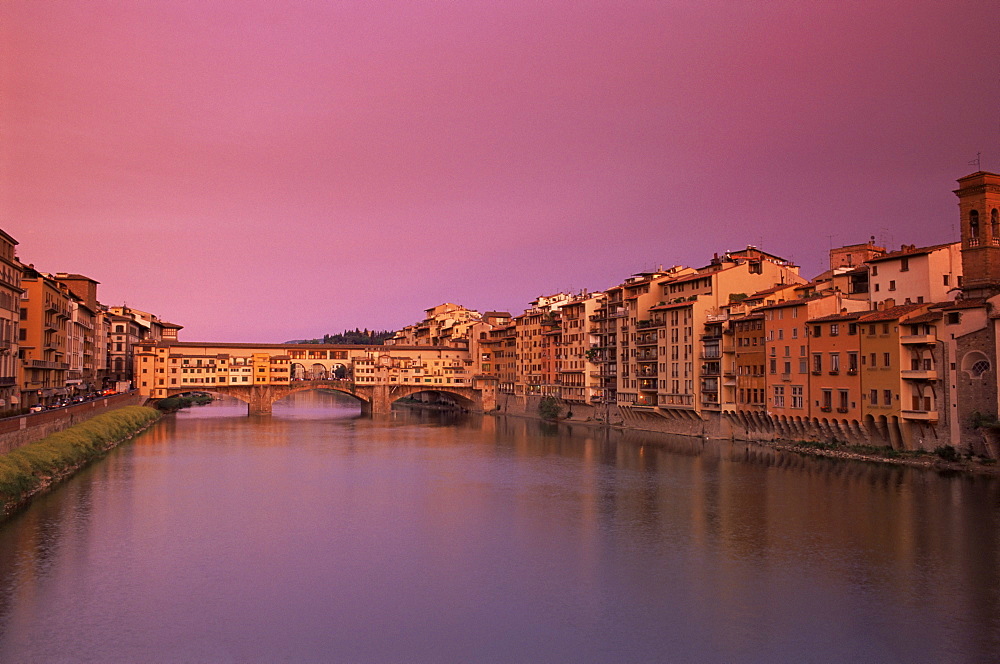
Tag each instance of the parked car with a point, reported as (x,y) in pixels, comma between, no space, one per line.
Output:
(36,409)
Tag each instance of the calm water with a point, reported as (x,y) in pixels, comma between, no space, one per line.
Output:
(317,535)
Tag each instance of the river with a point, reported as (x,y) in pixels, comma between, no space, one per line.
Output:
(318,535)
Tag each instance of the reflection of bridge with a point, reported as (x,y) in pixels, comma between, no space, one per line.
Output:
(373,398)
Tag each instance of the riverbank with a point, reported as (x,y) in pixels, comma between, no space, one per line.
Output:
(945,460)
(33,468)
(917,459)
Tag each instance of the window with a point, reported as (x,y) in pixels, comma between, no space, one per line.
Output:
(796,396)
(844,401)
(852,328)
(904,264)
(887,397)
(817,330)
(975,364)
(774,366)
(952,318)
(817,363)
(834,329)
(946,279)
(852,363)
(834,362)
(873,398)
(827,400)
(892,284)
(887,359)
(779,396)
(974,226)
(874,270)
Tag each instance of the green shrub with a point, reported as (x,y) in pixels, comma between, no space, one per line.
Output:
(549,408)
(24,469)
(947,452)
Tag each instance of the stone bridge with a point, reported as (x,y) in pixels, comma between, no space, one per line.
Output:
(376,399)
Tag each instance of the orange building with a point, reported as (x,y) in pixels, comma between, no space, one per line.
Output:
(884,359)
(835,361)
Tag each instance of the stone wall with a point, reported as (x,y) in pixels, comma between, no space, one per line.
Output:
(746,426)
(25,429)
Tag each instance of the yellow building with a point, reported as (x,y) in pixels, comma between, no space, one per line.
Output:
(891,370)
(45,310)
(688,366)
(164,366)
(10,315)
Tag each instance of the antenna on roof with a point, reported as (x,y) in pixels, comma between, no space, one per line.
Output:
(977,162)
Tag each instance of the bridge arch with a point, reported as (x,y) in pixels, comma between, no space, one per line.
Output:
(373,398)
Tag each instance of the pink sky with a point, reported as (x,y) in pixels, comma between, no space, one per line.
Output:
(264,171)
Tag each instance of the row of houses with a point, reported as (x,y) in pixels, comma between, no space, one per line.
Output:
(897,347)
(57,341)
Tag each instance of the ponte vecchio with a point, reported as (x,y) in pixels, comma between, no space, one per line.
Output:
(261,374)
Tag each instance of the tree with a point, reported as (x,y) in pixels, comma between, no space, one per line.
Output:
(549,408)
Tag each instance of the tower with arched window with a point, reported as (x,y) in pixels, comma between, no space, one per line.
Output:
(979,207)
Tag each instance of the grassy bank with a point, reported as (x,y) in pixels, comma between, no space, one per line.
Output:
(30,469)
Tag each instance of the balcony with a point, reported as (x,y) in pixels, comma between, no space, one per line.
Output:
(826,409)
(917,339)
(853,371)
(787,377)
(43,364)
(842,409)
(643,324)
(921,415)
(918,374)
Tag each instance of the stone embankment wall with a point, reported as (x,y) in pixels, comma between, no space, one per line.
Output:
(718,426)
(18,431)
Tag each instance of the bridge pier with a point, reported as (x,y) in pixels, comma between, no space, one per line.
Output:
(260,400)
(380,403)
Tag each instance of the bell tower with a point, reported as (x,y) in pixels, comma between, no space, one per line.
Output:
(979,208)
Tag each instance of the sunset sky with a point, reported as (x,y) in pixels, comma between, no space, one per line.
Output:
(265,171)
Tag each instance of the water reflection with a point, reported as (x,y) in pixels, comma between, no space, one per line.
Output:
(318,534)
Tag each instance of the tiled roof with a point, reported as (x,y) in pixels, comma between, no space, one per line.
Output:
(929,317)
(965,304)
(833,318)
(892,313)
(903,253)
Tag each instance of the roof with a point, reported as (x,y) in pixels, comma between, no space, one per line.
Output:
(672,305)
(752,316)
(769,291)
(892,313)
(794,302)
(929,317)
(833,318)
(975,303)
(910,251)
